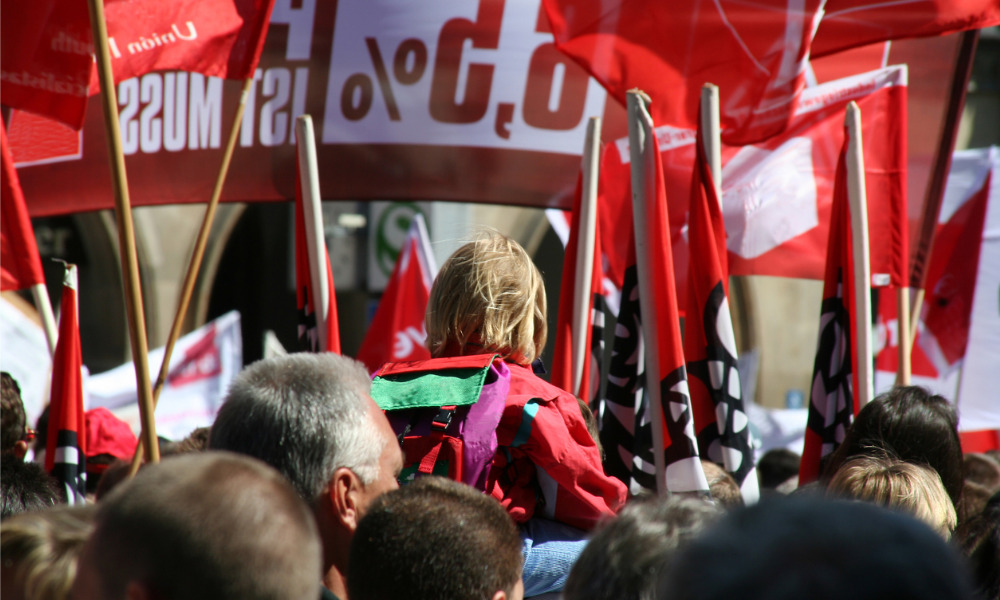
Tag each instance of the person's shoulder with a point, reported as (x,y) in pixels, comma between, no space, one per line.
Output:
(524,384)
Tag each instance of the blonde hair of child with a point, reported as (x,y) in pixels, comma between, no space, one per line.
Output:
(489,296)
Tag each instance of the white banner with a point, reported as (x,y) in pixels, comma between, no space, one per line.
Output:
(25,355)
(203,364)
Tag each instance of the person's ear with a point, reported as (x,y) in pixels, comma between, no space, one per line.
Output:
(500,595)
(346,492)
(20,449)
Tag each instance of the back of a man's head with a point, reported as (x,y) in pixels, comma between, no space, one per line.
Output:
(12,417)
(627,554)
(25,487)
(788,548)
(305,415)
(212,525)
(435,539)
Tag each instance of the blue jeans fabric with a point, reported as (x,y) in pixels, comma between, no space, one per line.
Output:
(550,550)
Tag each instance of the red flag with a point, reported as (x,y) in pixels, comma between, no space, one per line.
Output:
(832,405)
(720,419)
(754,51)
(219,38)
(66,449)
(20,265)
(308,320)
(47,63)
(562,355)
(397,331)
(46,58)
(777,194)
(626,427)
(851,23)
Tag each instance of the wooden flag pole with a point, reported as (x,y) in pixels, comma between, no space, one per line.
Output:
(643,153)
(126,232)
(905,369)
(312,211)
(194,266)
(583,278)
(710,124)
(862,268)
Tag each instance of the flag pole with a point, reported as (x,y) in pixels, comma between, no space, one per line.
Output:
(643,152)
(194,266)
(41,297)
(905,347)
(942,164)
(313,214)
(585,251)
(710,124)
(862,269)
(126,232)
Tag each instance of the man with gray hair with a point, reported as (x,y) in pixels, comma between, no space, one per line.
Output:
(311,417)
(203,526)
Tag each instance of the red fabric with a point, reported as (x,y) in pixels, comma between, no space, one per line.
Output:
(852,23)
(835,373)
(818,129)
(979,441)
(544,443)
(397,331)
(562,355)
(308,321)
(66,446)
(755,52)
(20,265)
(47,64)
(45,58)
(107,434)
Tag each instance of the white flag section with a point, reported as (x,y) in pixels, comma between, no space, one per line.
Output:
(203,364)
(25,355)
(940,363)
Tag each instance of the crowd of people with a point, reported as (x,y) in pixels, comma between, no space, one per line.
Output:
(294,493)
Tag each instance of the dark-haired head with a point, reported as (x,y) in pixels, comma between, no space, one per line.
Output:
(911,424)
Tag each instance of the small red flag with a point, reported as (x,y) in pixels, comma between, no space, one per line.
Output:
(397,332)
(66,447)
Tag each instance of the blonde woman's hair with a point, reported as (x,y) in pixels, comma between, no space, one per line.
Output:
(488,296)
(911,488)
(42,549)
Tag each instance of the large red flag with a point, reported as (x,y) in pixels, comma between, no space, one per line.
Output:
(754,51)
(852,23)
(832,404)
(562,355)
(397,331)
(66,449)
(777,195)
(20,265)
(309,322)
(720,419)
(47,64)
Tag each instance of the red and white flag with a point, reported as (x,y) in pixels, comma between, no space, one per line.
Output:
(777,195)
(310,320)
(20,265)
(562,355)
(832,404)
(959,326)
(720,419)
(66,449)
(397,331)
(47,54)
